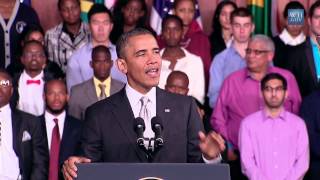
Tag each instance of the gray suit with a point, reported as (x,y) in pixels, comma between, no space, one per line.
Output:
(83,95)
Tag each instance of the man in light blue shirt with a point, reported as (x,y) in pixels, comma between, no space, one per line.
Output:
(78,68)
(232,58)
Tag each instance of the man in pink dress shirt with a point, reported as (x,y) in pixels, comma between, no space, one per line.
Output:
(240,95)
(273,142)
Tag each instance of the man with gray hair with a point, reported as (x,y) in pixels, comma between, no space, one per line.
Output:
(240,94)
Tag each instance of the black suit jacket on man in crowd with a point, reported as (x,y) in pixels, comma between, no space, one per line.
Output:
(109,136)
(30,146)
(70,140)
(301,63)
(311,114)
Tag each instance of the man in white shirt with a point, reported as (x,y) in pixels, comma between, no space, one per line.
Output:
(23,153)
(139,59)
(62,131)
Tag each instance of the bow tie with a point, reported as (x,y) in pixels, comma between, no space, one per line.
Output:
(33,82)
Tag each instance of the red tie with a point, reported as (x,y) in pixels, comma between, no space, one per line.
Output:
(33,82)
(54,153)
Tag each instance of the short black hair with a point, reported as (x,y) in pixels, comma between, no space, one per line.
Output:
(27,43)
(60,3)
(45,87)
(124,39)
(5,72)
(171,17)
(99,8)
(100,48)
(293,5)
(272,76)
(241,12)
(313,8)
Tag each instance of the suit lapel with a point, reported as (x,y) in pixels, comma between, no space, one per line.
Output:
(67,129)
(112,87)
(163,111)
(91,91)
(16,127)
(124,116)
(310,60)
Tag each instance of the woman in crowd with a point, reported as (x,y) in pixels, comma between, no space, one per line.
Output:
(221,36)
(194,39)
(128,14)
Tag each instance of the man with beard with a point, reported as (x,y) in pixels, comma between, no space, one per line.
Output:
(62,131)
(273,142)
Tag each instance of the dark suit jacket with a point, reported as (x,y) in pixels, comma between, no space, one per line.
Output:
(32,154)
(301,64)
(109,136)
(311,114)
(83,95)
(70,141)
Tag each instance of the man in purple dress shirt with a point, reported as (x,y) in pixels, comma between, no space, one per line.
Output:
(240,95)
(273,142)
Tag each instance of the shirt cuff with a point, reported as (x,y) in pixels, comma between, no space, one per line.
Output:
(212,161)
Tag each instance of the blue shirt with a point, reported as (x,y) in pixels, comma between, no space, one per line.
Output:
(79,69)
(316,57)
(223,64)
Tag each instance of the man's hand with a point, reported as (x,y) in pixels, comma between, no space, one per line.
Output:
(211,145)
(69,168)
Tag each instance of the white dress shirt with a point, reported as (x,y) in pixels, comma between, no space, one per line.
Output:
(9,162)
(191,65)
(50,124)
(31,96)
(135,103)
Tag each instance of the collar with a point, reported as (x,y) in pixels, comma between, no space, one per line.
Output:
(289,40)
(111,46)
(39,76)
(267,116)
(97,81)
(61,117)
(135,96)
(5,108)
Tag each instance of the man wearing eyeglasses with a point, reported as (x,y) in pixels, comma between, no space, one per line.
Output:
(30,82)
(240,95)
(273,142)
(23,153)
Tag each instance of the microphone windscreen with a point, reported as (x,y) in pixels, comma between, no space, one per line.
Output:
(156,121)
(139,122)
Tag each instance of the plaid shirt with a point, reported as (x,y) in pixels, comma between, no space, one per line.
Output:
(60,46)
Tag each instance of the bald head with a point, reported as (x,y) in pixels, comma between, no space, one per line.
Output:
(177,82)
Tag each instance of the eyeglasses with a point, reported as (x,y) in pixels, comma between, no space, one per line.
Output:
(275,89)
(5,83)
(256,52)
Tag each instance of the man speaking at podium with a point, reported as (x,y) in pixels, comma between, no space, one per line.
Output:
(109,128)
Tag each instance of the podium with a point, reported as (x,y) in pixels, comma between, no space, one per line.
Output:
(153,171)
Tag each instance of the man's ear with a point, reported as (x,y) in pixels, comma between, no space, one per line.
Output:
(122,65)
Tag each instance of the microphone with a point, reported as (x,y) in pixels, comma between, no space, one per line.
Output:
(157,127)
(139,128)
